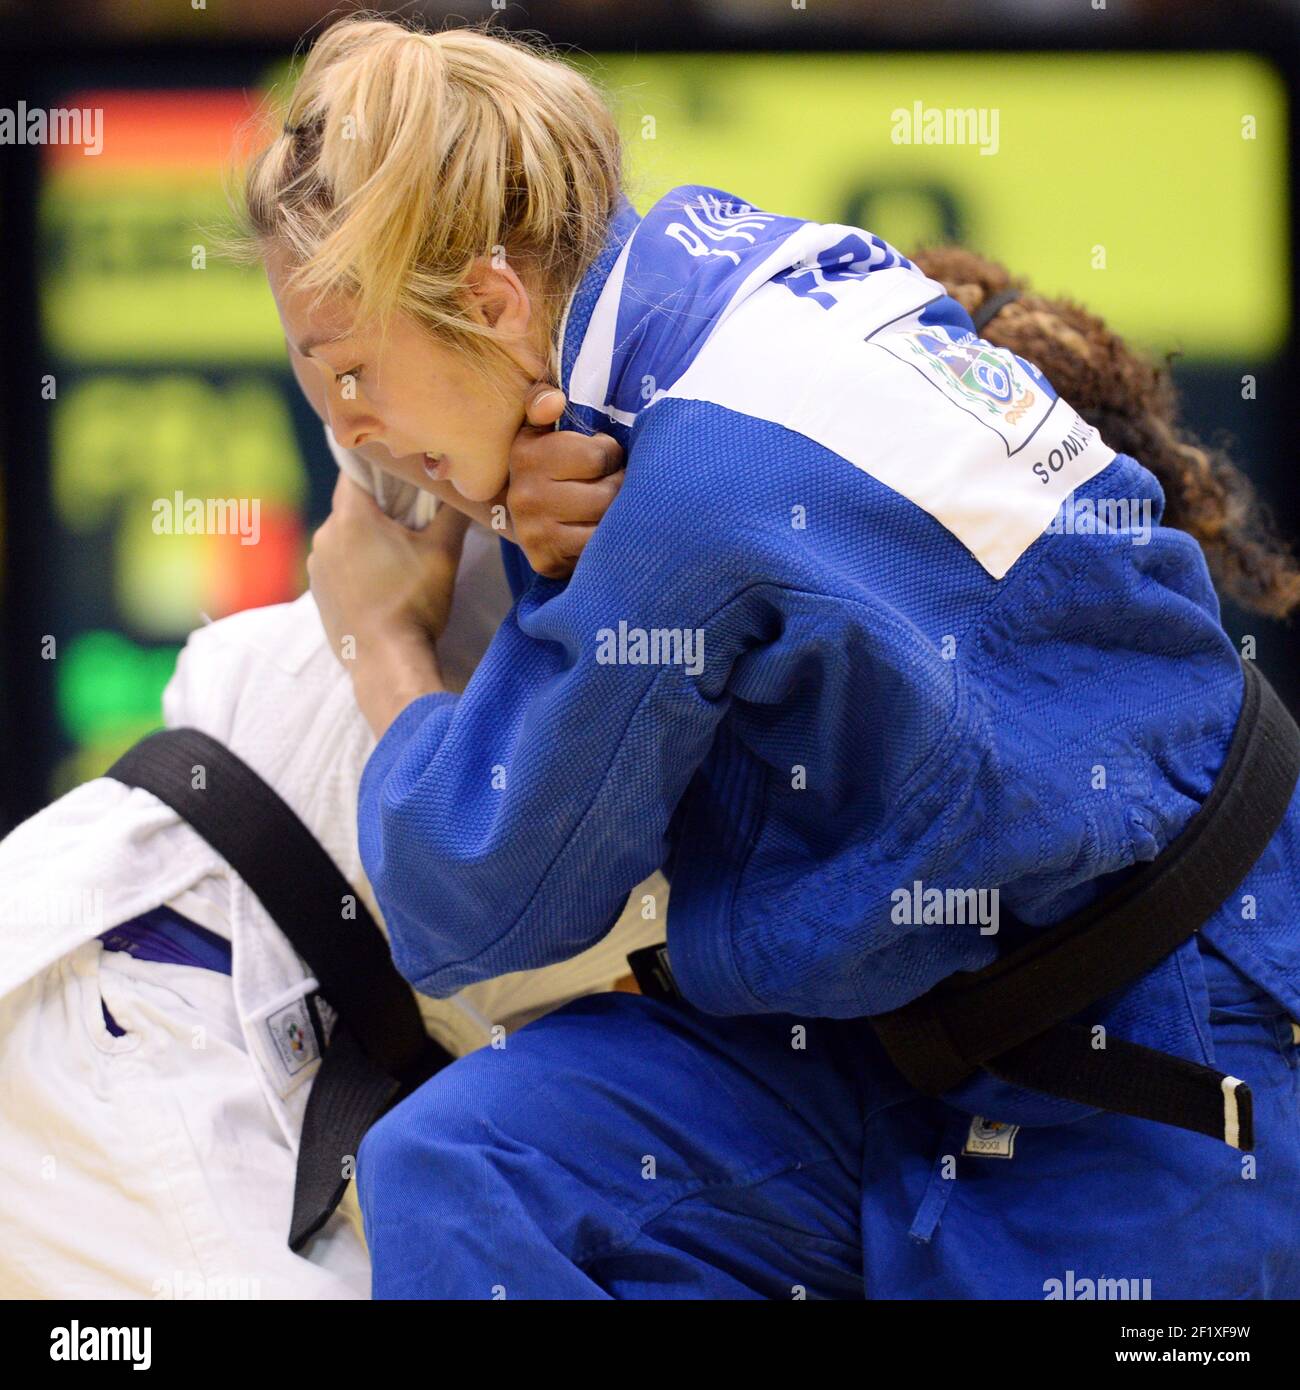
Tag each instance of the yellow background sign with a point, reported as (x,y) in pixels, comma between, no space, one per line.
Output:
(1175,165)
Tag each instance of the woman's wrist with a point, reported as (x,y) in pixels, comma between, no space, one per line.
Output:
(390,672)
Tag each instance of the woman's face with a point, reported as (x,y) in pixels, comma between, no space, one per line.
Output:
(407,402)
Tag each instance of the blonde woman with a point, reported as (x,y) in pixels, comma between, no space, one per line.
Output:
(830,657)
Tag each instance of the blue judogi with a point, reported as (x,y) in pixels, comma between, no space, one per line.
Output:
(627,1148)
(876,620)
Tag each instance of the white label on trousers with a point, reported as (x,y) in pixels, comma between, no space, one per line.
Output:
(991,1139)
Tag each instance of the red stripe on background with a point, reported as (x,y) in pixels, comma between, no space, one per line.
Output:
(194,129)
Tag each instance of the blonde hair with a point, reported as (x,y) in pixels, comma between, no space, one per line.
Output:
(406,156)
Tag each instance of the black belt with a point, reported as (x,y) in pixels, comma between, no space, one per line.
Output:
(378,1050)
(1010,1018)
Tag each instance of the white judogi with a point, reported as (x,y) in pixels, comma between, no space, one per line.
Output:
(161,1163)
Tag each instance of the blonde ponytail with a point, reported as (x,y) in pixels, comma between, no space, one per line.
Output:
(406,156)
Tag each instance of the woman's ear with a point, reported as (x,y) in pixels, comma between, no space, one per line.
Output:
(498,296)
(499,299)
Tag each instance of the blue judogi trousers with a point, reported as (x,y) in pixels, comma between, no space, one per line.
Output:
(627,1148)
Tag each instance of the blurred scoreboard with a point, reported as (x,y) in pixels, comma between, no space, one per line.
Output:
(1174,165)
(1152,187)
(171,385)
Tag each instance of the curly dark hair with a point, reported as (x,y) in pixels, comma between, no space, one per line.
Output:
(1134,404)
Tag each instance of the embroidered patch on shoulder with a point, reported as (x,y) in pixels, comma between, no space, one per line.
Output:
(992,385)
(991,1139)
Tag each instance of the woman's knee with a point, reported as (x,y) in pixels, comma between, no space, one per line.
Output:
(498,1095)
(453,1108)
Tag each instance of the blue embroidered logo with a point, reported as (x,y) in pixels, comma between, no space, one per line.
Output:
(853,257)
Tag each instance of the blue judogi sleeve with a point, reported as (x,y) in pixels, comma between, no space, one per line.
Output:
(504,828)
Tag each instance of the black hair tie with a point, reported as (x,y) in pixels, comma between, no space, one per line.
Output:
(990,307)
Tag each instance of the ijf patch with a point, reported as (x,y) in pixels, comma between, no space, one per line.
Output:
(293,1036)
(289,1034)
(990,1139)
(993,386)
